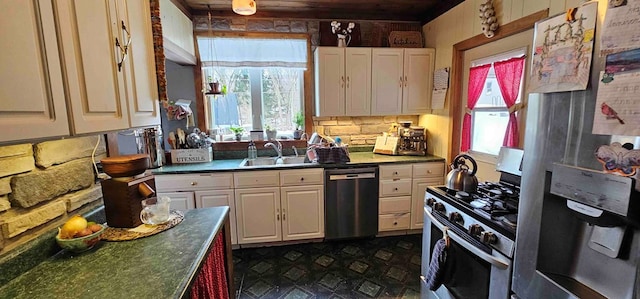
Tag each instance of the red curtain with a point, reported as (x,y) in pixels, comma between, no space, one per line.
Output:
(477,77)
(211,282)
(509,75)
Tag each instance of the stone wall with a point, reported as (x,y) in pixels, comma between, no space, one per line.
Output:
(42,184)
(358,130)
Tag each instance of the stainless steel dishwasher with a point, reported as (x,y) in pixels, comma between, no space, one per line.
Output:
(351,202)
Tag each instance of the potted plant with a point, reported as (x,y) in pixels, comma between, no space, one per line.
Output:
(298,120)
(271,132)
(214,86)
(237,131)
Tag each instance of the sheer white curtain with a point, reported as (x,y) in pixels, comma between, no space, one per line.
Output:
(252,52)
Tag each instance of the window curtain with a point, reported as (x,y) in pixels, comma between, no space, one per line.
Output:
(509,75)
(477,77)
(252,52)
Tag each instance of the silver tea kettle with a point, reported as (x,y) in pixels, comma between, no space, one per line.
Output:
(460,177)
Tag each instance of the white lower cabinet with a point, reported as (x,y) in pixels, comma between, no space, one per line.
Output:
(294,211)
(180,200)
(402,189)
(258,215)
(217,198)
(302,212)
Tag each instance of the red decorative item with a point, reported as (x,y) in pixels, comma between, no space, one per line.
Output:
(477,77)
(212,280)
(509,75)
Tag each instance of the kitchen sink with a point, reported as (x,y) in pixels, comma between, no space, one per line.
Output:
(273,161)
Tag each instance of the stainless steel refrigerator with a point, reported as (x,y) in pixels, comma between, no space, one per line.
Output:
(553,258)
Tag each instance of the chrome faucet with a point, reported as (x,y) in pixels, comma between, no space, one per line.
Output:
(277,148)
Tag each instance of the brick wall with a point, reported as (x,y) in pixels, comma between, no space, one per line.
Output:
(42,184)
(360,130)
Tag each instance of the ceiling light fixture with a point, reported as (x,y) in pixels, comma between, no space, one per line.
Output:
(244,7)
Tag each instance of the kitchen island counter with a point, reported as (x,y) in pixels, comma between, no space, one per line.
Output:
(357,158)
(164,265)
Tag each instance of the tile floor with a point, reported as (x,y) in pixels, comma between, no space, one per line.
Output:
(386,267)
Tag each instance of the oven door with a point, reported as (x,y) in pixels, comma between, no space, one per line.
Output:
(477,271)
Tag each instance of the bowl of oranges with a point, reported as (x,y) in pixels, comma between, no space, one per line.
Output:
(78,235)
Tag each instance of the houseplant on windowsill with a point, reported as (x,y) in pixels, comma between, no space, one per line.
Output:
(298,119)
(271,132)
(237,131)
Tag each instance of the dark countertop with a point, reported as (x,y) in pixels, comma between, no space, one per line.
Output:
(158,266)
(357,158)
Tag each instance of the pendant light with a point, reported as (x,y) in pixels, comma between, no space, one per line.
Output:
(244,7)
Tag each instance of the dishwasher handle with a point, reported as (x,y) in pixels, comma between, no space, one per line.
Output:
(353,176)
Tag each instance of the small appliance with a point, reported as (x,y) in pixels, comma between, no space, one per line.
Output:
(123,199)
(412,141)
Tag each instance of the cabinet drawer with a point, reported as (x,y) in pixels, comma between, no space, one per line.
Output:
(395,187)
(398,171)
(390,205)
(257,179)
(428,170)
(185,182)
(394,221)
(296,177)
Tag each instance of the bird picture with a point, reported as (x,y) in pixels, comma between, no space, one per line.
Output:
(610,113)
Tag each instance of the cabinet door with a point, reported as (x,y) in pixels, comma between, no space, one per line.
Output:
(140,70)
(418,80)
(386,81)
(419,188)
(258,215)
(330,81)
(358,81)
(31,86)
(180,200)
(217,198)
(302,212)
(96,89)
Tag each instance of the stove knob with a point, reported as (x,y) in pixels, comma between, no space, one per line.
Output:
(438,206)
(488,238)
(475,230)
(456,217)
(430,202)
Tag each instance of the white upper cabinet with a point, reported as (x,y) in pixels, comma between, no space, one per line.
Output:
(401,81)
(96,84)
(418,80)
(358,81)
(343,81)
(387,81)
(31,86)
(143,101)
(330,81)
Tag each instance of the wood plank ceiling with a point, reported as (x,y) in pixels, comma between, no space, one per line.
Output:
(421,11)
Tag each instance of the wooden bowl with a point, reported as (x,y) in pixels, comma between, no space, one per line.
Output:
(126,165)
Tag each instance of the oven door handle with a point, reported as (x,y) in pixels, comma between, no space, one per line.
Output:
(479,253)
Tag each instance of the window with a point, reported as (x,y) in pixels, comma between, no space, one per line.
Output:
(490,116)
(263,79)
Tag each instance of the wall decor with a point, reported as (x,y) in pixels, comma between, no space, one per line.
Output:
(405,39)
(488,19)
(563,47)
(617,105)
(621,27)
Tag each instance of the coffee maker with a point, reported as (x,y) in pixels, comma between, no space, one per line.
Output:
(412,140)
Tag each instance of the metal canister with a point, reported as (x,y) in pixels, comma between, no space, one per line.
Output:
(149,141)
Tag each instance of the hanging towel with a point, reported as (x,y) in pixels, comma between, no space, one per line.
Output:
(436,272)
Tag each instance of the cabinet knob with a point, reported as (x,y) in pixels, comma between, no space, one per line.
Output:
(428,171)
(302,179)
(395,189)
(405,80)
(395,173)
(395,223)
(194,183)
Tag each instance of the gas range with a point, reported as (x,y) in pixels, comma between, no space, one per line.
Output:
(484,215)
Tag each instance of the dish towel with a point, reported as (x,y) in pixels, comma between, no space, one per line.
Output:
(436,272)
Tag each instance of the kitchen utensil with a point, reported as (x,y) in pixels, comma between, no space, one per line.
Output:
(126,165)
(194,141)
(181,138)
(172,140)
(460,177)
